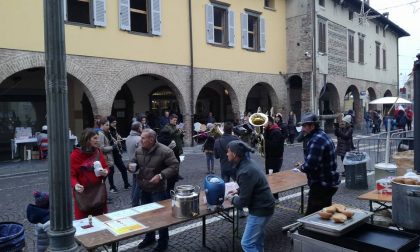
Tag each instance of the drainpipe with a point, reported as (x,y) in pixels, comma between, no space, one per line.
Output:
(398,69)
(191,71)
(314,55)
(416,84)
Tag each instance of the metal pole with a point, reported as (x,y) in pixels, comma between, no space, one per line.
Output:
(416,85)
(61,233)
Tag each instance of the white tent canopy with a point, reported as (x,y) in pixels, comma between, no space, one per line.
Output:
(390,100)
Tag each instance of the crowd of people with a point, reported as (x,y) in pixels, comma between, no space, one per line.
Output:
(154,162)
(400,119)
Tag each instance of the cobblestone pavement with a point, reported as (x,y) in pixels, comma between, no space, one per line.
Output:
(16,193)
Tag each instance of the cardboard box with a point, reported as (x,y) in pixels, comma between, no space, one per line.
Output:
(35,154)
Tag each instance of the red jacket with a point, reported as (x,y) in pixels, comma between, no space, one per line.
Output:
(79,160)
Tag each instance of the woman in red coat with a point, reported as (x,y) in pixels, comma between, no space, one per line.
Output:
(82,172)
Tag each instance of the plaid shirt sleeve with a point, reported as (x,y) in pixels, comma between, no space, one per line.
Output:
(314,155)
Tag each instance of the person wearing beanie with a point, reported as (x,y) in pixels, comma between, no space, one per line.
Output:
(253,192)
(320,164)
(344,133)
(39,214)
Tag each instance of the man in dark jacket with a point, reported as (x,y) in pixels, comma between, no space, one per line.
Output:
(220,149)
(274,138)
(156,164)
(254,193)
(320,165)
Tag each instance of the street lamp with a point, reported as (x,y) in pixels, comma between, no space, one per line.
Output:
(61,233)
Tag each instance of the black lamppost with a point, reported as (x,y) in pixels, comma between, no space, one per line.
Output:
(416,87)
(61,229)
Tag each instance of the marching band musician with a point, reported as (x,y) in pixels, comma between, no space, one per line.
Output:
(116,139)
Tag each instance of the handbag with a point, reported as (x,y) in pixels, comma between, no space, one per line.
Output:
(93,197)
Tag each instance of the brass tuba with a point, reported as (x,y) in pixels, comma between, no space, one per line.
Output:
(258,120)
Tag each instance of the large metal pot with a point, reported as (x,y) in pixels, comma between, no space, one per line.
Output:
(406,205)
(185,201)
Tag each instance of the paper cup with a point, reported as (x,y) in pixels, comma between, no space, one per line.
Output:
(270,172)
(132,167)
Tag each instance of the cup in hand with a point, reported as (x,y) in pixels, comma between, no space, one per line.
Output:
(97,166)
(270,172)
(132,167)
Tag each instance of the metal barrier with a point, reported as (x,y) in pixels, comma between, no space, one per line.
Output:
(375,145)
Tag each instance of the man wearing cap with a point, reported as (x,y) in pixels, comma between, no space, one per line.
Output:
(253,192)
(320,165)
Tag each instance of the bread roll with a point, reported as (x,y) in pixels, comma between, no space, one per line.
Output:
(339,207)
(339,218)
(330,209)
(348,213)
(409,181)
(399,180)
(325,215)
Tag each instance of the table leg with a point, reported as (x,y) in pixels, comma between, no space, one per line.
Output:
(204,231)
(371,209)
(114,247)
(233,231)
(302,199)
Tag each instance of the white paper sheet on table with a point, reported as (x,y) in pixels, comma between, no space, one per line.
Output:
(147,207)
(97,225)
(121,214)
(230,186)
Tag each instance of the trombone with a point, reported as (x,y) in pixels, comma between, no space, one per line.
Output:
(258,120)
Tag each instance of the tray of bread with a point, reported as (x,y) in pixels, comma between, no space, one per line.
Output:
(335,220)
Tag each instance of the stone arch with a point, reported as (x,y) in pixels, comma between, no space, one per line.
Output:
(221,88)
(295,84)
(36,60)
(273,100)
(175,82)
(352,96)
(387,93)
(371,96)
(329,99)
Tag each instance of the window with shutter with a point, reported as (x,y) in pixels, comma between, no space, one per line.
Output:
(99,12)
(384,59)
(220,23)
(231,19)
(79,11)
(361,49)
(262,34)
(156,20)
(378,55)
(244,30)
(351,45)
(322,36)
(143,16)
(124,8)
(210,23)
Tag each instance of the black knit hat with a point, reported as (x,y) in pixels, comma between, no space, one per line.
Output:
(239,148)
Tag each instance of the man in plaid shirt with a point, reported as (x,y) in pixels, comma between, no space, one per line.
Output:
(320,165)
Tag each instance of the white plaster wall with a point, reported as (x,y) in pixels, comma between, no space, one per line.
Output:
(368,70)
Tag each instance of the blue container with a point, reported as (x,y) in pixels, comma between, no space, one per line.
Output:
(12,237)
(215,190)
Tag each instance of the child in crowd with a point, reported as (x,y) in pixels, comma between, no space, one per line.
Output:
(39,214)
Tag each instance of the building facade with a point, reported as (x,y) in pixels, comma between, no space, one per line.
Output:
(129,57)
(337,60)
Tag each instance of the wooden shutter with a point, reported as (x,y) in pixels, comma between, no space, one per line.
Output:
(124,9)
(262,34)
(156,19)
(99,12)
(210,23)
(231,28)
(65,10)
(244,28)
